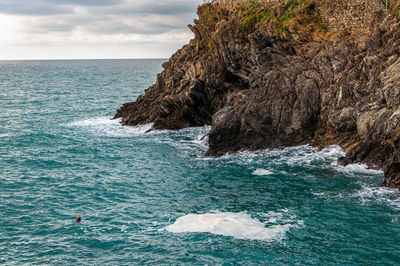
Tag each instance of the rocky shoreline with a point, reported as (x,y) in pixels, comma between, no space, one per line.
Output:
(267,74)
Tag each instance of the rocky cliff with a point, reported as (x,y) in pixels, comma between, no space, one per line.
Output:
(269,74)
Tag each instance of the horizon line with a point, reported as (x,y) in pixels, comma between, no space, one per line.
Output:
(71,59)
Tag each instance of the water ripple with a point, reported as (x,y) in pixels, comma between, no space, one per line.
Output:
(61,156)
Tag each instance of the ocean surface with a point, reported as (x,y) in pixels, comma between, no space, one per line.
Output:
(152,198)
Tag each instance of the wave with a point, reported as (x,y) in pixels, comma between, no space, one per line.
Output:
(202,139)
(366,195)
(113,128)
(380,195)
(310,156)
(237,225)
(304,156)
(110,127)
(262,172)
(5,135)
(357,168)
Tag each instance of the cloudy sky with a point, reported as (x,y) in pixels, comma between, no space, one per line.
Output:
(69,29)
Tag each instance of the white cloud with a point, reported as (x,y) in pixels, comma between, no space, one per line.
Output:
(90,26)
(10,30)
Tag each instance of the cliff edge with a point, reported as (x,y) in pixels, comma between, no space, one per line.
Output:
(269,74)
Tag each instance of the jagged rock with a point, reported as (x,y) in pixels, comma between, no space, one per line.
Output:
(261,87)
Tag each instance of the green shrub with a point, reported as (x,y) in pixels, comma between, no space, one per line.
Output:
(254,15)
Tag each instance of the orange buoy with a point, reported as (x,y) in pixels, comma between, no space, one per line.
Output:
(78,219)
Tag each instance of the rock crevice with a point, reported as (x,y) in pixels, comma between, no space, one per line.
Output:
(270,75)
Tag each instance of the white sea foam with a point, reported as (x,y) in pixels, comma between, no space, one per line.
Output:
(189,141)
(292,156)
(262,172)
(357,168)
(238,225)
(367,195)
(307,155)
(304,156)
(95,122)
(109,127)
(201,140)
(378,195)
(300,156)
(196,135)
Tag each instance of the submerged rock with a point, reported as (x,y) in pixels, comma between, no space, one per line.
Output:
(266,74)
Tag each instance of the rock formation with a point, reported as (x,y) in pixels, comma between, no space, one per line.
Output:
(268,74)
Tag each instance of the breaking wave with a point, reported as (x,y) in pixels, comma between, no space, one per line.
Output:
(110,127)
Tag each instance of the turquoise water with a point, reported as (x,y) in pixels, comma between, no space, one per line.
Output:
(153,198)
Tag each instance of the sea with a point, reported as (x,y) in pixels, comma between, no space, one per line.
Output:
(152,198)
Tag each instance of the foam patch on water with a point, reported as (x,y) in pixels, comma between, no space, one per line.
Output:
(237,225)
(189,142)
(299,156)
(303,156)
(110,127)
(380,195)
(366,195)
(310,156)
(262,172)
(358,168)
(202,139)
(194,135)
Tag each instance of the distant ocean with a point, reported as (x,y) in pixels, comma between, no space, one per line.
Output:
(152,198)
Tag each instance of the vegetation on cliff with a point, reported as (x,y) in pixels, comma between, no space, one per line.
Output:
(298,17)
(268,74)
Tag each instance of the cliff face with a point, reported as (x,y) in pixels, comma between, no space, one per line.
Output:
(269,74)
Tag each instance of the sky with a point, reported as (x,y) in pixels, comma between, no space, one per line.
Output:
(94,29)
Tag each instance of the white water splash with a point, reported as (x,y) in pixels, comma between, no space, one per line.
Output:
(238,225)
(262,172)
(379,195)
(108,127)
(357,168)
(307,155)
(202,139)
